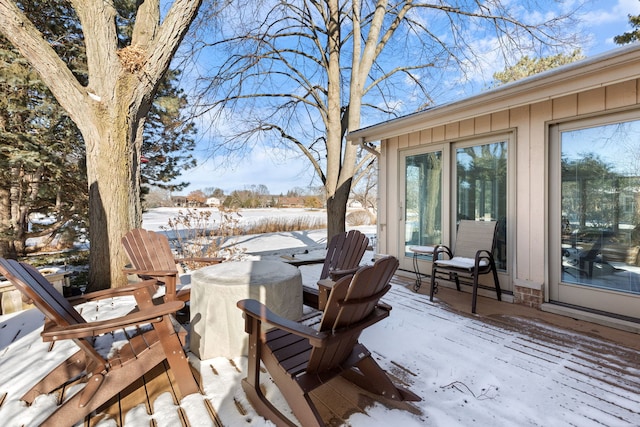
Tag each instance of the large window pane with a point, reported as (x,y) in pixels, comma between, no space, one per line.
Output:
(600,215)
(423,195)
(481,190)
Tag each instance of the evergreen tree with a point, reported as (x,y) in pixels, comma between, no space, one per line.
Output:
(41,159)
(630,36)
(527,66)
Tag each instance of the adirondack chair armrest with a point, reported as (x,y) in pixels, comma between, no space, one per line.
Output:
(82,330)
(337,274)
(158,273)
(200,259)
(300,262)
(379,313)
(112,292)
(257,310)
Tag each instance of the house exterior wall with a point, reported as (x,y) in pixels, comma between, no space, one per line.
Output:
(530,123)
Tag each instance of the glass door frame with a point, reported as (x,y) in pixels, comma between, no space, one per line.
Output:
(406,259)
(575,294)
(509,137)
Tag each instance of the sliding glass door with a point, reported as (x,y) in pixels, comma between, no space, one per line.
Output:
(596,215)
(445,183)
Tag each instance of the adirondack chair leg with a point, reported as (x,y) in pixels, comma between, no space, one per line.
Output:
(68,370)
(170,288)
(298,399)
(310,297)
(300,403)
(177,359)
(251,384)
(375,380)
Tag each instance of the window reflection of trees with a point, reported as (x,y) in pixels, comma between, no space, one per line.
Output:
(482,189)
(423,195)
(600,194)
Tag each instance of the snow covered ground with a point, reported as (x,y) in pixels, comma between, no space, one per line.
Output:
(468,371)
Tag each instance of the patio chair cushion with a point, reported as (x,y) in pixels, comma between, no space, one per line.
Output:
(422,249)
(462,262)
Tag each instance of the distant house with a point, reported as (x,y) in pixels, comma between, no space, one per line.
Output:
(213,202)
(554,159)
(291,202)
(179,201)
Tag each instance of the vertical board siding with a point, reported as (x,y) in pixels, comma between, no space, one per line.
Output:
(621,95)
(452,131)
(591,101)
(438,133)
(467,127)
(426,136)
(500,120)
(564,107)
(483,124)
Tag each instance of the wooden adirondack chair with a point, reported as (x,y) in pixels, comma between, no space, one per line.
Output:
(151,258)
(344,253)
(300,358)
(473,256)
(152,340)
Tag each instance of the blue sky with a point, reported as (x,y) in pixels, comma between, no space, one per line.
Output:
(281,169)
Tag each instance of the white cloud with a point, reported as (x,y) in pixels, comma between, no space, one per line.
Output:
(603,22)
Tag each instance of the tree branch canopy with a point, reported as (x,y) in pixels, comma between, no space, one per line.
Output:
(19,30)
(373,60)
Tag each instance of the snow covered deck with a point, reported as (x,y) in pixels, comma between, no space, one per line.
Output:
(493,368)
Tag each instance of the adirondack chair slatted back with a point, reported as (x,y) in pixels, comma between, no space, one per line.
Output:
(345,251)
(148,250)
(351,300)
(57,309)
(473,236)
(35,287)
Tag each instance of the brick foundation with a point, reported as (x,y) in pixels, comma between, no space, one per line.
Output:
(528,296)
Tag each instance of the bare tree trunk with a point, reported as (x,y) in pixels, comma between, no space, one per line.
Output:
(109,201)
(337,210)
(7,248)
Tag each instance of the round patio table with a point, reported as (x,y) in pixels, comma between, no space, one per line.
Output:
(217,324)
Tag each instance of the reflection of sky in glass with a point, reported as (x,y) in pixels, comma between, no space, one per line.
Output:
(618,145)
